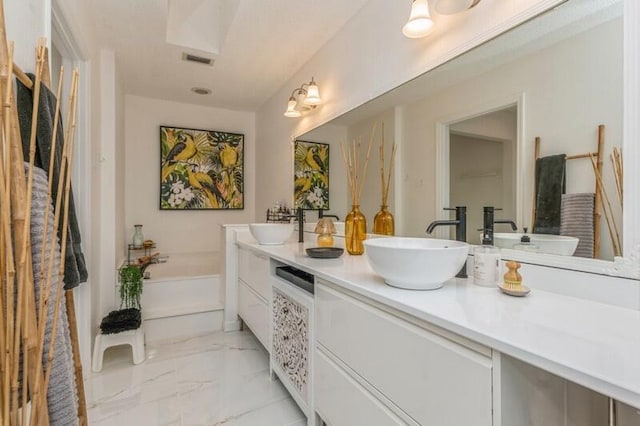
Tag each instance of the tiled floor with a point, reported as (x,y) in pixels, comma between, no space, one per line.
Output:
(214,379)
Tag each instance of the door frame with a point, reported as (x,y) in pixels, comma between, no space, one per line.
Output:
(443,153)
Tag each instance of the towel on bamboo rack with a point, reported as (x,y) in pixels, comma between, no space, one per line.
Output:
(550,183)
(75,268)
(576,220)
(62,396)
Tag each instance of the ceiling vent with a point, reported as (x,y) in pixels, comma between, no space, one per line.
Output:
(197,59)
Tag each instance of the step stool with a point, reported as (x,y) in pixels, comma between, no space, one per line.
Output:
(134,338)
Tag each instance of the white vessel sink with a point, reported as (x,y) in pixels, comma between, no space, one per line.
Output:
(271,233)
(416,263)
(551,244)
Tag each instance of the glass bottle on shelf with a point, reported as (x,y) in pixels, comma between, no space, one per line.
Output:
(138,238)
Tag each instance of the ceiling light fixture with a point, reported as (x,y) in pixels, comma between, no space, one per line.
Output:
(303,99)
(420,23)
(450,7)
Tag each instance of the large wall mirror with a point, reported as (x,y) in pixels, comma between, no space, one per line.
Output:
(469,131)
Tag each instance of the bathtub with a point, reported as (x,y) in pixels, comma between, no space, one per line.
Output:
(182,296)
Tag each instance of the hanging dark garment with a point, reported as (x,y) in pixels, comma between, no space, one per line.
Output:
(75,268)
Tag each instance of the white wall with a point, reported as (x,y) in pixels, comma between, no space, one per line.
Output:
(38,14)
(179,231)
(366,58)
(559,108)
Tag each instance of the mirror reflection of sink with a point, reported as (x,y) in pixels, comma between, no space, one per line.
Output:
(550,244)
(415,263)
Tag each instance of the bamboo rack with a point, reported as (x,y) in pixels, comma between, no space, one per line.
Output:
(597,210)
(23,319)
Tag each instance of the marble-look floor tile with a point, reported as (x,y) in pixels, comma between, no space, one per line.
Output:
(218,378)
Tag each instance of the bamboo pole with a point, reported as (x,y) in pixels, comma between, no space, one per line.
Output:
(5,70)
(598,198)
(45,226)
(608,215)
(27,280)
(65,223)
(63,173)
(83,419)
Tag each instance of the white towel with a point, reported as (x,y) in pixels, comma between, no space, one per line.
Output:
(576,220)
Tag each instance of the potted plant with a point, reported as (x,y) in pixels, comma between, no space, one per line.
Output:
(130,286)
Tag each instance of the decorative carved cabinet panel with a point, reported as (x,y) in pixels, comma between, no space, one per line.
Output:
(290,344)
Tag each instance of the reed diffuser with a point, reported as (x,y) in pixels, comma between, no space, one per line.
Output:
(383,221)
(355,223)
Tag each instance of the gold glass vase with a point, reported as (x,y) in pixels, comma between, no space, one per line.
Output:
(383,222)
(355,230)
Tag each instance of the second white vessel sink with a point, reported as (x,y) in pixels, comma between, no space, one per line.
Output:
(416,263)
(271,233)
(550,244)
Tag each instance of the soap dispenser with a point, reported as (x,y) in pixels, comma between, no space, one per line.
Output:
(486,264)
(525,244)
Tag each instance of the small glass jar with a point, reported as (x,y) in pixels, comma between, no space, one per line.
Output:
(138,237)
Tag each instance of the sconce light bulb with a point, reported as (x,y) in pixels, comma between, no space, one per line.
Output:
(291,109)
(420,23)
(313,94)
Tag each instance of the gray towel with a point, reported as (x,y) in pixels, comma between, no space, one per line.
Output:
(577,221)
(550,185)
(62,397)
(75,268)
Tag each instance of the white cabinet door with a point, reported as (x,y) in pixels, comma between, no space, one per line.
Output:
(433,379)
(253,269)
(254,311)
(339,400)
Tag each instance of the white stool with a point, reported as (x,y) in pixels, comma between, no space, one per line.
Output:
(134,338)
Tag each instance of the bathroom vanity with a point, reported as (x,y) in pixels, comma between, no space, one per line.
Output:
(460,355)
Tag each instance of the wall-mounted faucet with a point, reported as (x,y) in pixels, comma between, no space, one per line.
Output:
(460,223)
(488,224)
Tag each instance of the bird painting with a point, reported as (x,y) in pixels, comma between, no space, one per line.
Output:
(201,169)
(311,175)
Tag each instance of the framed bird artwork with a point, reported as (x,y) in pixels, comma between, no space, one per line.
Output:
(201,169)
(311,175)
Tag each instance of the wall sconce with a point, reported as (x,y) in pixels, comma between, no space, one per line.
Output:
(420,22)
(303,99)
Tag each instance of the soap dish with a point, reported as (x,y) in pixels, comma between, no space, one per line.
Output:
(325,252)
(517,291)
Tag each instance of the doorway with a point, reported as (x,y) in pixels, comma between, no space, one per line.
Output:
(479,165)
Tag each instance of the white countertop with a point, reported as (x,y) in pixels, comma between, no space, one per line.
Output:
(589,343)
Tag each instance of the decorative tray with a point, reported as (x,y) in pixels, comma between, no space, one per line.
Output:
(325,252)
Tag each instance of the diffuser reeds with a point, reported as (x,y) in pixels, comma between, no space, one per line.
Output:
(385,183)
(356,173)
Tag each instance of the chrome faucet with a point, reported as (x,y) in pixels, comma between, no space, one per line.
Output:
(488,224)
(460,223)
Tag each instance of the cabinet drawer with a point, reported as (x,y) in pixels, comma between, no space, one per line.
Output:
(253,269)
(255,313)
(433,379)
(339,400)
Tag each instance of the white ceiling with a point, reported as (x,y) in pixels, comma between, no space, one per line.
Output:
(266,43)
